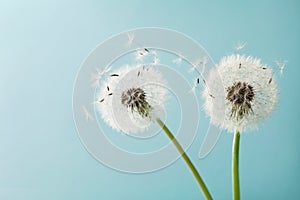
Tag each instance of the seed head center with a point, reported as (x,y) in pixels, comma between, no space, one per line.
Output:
(240,95)
(135,100)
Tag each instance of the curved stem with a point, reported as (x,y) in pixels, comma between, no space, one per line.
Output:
(235,166)
(186,159)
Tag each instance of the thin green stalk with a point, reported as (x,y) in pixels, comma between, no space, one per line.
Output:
(186,159)
(235,166)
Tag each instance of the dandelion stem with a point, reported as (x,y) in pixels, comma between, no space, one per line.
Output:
(186,159)
(235,166)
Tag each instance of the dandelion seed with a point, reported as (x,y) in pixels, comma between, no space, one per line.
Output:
(135,100)
(178,60)
(192,69)
(193,89)
(153,52)
(281,66)
(140,54)
(204,62)
(240,45)
(197,62)
(98,75)
(270,80)
(195,65)
(155,61)
(107,69)
(88,116)
(130,37)
(197,82)
(250,93)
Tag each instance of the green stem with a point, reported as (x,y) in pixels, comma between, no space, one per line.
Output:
(235,166)
(186,159)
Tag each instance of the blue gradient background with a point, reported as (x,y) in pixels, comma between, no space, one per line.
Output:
(43,43)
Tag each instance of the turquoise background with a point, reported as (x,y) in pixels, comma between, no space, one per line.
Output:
(42,45)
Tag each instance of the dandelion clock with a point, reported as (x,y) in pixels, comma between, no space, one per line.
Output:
(245,98)
(139,88)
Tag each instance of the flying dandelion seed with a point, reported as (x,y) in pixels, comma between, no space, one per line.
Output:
(202,61)
(140,54)
(87,115)
(250,93)
(130,37)
(281,66)
(155,61)
(193,89)
(240,45)
(178,60)
(195,64)
(138,95)
(95,77)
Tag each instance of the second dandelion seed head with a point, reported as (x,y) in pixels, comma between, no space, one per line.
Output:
(241,92)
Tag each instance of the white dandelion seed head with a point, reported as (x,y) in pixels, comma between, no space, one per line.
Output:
(241,93)
(131,98)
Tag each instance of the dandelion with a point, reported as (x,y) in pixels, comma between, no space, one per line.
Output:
(241,93)
(246,94)
(132,99)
